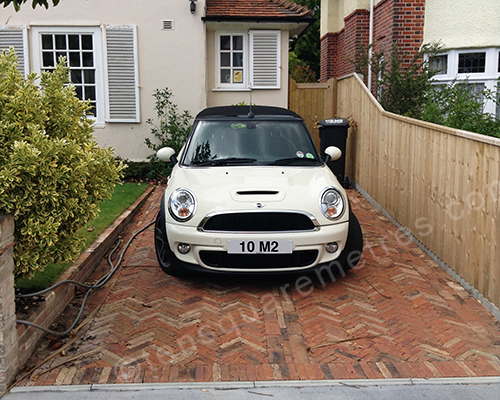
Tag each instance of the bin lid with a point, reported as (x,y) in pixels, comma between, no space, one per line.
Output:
(334,122)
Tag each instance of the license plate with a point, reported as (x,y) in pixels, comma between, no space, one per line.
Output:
(259,247)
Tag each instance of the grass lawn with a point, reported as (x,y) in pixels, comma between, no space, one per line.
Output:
(123,196)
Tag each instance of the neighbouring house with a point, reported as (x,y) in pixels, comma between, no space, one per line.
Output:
(468,31)
(208,52)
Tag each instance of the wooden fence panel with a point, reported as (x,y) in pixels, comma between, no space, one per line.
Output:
(442,184)
(313,102)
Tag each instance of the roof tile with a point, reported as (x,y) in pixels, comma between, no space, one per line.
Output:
(256,8)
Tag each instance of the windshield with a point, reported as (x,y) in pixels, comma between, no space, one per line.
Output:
(216,143)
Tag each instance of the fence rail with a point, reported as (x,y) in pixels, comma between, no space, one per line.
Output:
(442,184)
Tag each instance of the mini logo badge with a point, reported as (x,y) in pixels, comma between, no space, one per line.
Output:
(259,205)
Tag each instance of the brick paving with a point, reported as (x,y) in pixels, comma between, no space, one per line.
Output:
(396,315)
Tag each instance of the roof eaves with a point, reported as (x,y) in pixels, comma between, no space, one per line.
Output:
(241,18)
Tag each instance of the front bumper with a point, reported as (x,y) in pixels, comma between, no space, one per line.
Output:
(311,243)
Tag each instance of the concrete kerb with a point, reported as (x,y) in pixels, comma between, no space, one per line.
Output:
(81,269)
(357,383)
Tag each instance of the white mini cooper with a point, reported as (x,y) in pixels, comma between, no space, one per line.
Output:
(249,193)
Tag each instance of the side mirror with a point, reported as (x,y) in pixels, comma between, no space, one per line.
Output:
(167,154)
(332,153)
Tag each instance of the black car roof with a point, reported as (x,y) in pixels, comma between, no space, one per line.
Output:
(243,111)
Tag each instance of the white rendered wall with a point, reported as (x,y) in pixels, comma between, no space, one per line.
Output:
(462,24)
(175,58)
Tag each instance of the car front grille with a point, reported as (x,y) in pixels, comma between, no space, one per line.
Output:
(223,260)
(259,222)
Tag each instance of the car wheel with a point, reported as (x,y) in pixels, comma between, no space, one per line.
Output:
(351,254)
(163,253)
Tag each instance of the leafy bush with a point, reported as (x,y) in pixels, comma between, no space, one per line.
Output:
(300,72)
(402,81)
(457,106)
(34,3)
(136,170)
(172,131)
(404,86)
(52,172)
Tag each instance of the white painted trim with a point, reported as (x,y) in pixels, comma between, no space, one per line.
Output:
(27,58)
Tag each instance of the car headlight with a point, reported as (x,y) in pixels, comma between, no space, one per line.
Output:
(182,205)
(332,203)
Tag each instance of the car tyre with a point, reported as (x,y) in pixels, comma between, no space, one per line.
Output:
(165,256)
(351,254)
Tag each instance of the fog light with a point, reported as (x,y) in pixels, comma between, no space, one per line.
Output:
(183,248)
(332,247)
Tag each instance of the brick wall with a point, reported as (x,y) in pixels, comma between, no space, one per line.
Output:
(394,21)
(339,49)
(9,361)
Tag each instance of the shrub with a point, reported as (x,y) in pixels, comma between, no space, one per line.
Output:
(172,131)
(401,81)
(52,172)
(136,170)
(300,72)
(457,106)
(404,85)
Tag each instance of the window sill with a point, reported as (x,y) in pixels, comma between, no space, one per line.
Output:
(99,125)
(231,90)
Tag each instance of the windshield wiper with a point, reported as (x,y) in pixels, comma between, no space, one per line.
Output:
(294,160)
(225,161)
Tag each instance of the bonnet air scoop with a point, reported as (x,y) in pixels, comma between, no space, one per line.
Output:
(257,192)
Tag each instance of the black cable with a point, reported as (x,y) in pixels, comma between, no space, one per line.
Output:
(100,283)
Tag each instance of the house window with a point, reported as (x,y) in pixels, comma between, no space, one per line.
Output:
(248,60)
(82,49)
(476,90)
(439,64)
(479,69)
(78,50)
(231,59)
(469,63)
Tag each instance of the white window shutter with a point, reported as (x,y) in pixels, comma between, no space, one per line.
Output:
(122,74)
(265,59)
(11,36)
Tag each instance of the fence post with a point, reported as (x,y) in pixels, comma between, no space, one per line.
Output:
(9,361)
(331,100)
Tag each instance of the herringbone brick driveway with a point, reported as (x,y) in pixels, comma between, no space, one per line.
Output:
(396,315)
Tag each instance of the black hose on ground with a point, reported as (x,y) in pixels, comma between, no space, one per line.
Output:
(100,283)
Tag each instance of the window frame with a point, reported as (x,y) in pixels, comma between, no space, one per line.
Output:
(38,31)
(245,85)
(488,78)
